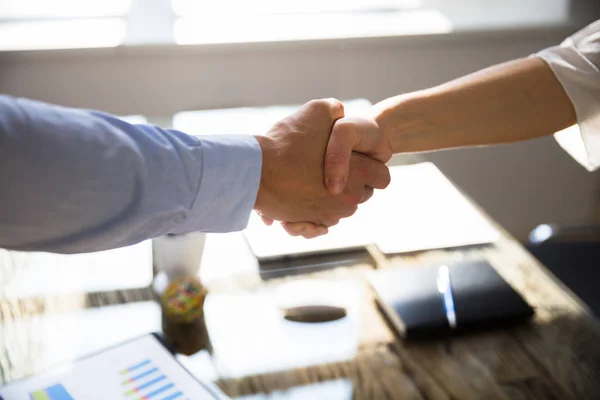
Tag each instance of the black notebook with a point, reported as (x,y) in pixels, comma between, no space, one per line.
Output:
(447,299)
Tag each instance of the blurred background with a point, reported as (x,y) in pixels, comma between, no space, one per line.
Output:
(159,57)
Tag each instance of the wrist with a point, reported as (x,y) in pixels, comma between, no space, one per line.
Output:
(403,121)
(263,194)
(388,114)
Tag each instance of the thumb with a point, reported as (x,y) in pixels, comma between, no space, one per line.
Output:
(342,141)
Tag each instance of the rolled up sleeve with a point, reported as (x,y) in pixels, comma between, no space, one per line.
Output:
(576,65)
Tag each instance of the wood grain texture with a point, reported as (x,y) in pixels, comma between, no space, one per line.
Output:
(556,356)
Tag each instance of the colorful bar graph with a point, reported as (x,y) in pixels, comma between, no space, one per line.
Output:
(40,395)
(157,392)
(140,376)
(136,366)
(148,383)
(55,392)
(145,385)
(174,396)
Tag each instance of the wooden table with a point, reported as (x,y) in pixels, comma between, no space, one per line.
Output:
(556,356)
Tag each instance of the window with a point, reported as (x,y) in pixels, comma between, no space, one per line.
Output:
(43,24)
(275,20)
(30,9)
(200,7)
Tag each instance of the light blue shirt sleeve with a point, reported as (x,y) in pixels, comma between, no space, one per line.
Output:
(76,180)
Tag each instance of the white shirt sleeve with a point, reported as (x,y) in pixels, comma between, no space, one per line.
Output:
(576,64)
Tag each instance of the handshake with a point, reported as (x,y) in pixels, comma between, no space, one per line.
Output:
(318,166)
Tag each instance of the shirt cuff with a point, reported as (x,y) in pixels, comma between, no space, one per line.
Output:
(231,170)
(579,80)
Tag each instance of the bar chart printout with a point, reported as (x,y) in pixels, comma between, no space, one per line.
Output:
(145,381)
(54,392)
(138,369)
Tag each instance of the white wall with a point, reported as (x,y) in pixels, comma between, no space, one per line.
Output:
(520,185)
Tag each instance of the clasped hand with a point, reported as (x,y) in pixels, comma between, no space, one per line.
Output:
(319,166)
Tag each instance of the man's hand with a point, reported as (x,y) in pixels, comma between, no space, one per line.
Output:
(358,134)
(349,135)
(292,183)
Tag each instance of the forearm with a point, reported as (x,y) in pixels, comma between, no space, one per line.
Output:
(77,181)
(510,102)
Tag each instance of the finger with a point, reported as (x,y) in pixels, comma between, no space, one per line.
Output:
(361,135)
(337,156)
(368,194)
(299,228)
(369,139)
(265,220)
(331,221)
(294,231)
(351,210)
(332,108)
(372,173)
(336,108)
(319,232)
(307,230)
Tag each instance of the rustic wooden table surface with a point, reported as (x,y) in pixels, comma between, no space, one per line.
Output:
(556,356)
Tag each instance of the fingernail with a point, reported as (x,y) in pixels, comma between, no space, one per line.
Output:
(335,185)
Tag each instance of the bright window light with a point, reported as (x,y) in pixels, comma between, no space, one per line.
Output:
(21,9)
(200,7)
(258,28)
(69,34)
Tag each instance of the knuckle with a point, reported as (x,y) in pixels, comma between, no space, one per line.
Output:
(367,195)
(322,109)
(345,130)
(335,104)
(317,107)
(353,199)
(350,211)
(317,103)
(292,229)
(362,168)
(337,157)
(332,107)
(334,222)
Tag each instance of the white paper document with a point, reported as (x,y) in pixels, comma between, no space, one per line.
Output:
(139,369)
(249,334)
(419,210)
